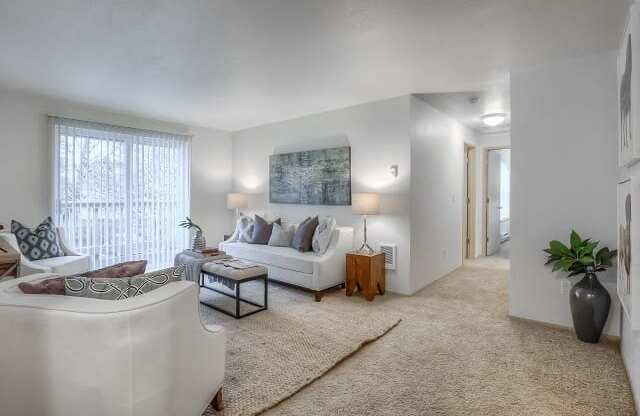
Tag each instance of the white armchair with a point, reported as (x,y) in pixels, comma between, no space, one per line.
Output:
(71,263)
(148,355)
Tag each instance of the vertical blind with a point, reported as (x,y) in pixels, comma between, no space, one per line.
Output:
(120,192)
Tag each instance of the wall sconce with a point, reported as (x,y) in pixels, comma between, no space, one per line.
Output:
(394,170)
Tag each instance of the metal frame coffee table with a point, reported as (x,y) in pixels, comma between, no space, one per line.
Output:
(229,275)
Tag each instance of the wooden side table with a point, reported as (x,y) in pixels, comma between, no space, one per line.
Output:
(9,261)
(366,271)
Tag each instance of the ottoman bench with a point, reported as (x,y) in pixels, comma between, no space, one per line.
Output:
(232,273)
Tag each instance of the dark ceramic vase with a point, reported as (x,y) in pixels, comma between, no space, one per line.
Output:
(590,303)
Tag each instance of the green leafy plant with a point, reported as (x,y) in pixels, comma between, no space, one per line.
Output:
(189,224)
(579,257)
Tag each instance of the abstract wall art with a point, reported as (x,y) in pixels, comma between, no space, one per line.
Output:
(312,177)
(628,84)
(624,284)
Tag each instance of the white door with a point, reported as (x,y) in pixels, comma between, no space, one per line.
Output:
(493,202)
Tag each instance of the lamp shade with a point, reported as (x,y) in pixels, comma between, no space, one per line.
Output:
(365,204)
(237,201)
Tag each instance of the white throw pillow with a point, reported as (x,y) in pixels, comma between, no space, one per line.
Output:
(243,231)
(322,235)
(281,235)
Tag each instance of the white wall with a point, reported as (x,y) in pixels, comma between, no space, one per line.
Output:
(25,168)
(564,172)
(437,192)
(630,348)
(378,135)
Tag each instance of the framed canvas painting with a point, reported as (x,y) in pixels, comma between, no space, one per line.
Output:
(628,84)
(628,286)
(312,177)
(624,246)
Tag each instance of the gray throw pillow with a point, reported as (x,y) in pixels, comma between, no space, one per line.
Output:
(303,237)
(97,288)
(145,283)
(261,230)
(281,235)
(40,243)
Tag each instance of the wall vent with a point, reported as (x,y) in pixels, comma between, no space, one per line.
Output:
(390,255)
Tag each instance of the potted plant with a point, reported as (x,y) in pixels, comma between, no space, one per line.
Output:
(199,241)
(589,300)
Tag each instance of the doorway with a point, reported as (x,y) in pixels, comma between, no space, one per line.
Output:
(498,209)
(469,217)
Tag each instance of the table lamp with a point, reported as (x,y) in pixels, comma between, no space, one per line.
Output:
(365,204)
(237,201)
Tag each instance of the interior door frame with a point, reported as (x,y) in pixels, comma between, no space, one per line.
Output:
(469,206)
(485,193)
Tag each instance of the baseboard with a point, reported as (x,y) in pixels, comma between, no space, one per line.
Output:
(608,339)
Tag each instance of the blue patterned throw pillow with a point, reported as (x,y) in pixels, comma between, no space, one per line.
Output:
(38,244)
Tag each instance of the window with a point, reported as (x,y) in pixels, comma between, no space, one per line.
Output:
(119,192)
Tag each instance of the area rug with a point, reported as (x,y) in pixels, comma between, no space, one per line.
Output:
(273,354)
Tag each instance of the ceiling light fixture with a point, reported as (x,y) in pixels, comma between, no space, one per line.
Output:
(493,119)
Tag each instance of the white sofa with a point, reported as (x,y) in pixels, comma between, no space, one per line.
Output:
(71,263)
(145,356)
(305,270)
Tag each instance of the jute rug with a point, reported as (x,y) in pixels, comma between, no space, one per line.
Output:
(273,354)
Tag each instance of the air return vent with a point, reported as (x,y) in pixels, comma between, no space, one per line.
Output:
(390,255)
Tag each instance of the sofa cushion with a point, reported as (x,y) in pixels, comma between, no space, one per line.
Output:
(118,288)
(40,243)
(54,286)
(284,257)
(322,235)
(245,229)
(145,283)
(126,269)
(303,236)
(261,230)
(97,288)
(281,235)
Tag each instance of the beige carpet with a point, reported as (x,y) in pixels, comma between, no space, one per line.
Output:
(457,353)
(274,353)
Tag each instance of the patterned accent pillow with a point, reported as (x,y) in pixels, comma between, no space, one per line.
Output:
(38,244)
(145,283)
(322,235)
(242,230)
(97,288)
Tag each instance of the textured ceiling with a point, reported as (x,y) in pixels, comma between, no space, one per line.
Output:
(460,106)
(233,64)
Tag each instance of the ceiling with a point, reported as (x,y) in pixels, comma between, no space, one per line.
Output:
(469,107)
(234,64)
